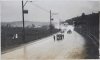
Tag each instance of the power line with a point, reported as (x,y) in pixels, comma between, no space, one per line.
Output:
(41,8)
(38,6)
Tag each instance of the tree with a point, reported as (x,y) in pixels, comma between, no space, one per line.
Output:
(83,15)
(33,25)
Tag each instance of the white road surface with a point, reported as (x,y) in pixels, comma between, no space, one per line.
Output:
(71,47)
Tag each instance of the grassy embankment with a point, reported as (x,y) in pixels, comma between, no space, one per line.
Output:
(31,34)
(88,27)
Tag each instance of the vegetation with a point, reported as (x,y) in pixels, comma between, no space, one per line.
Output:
(88,27)
(31,34)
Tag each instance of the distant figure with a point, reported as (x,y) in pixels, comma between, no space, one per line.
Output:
(54,37)
(63,36)
(15,36)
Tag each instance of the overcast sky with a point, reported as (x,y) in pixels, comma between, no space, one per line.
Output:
(39,10)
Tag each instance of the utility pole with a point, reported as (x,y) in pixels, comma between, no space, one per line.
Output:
(24,12)
(51,19)
(59,24)
(23,31)
(50,22)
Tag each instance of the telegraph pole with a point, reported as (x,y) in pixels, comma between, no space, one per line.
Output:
(59,24)
(50,22)
(50,17)
(23,21)
(24,12)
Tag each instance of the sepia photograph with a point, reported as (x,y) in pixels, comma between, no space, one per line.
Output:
(49,29)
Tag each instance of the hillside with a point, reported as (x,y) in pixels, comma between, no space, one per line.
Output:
(20,23)
(88,27)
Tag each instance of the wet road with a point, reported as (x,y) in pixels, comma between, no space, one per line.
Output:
(71,47)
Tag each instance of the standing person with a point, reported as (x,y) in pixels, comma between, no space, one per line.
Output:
(63,36)
(54,38)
